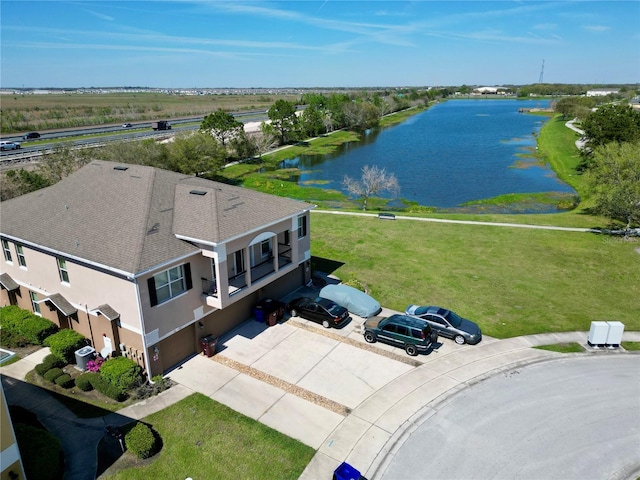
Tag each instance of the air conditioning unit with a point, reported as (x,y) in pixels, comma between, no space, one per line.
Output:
(598,333)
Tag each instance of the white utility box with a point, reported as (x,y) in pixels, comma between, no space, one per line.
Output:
(598,333)
(614,336)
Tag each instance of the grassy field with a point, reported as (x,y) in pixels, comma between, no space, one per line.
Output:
(512,281)
(21,113)
(204,439)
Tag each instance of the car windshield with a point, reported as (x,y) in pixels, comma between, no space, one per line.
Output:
(452,318)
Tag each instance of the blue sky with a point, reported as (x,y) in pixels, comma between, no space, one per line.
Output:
(183,44)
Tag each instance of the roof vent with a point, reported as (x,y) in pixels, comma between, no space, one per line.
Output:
(198,192)
(121,168)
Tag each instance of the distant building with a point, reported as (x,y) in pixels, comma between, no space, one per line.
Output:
(602,92)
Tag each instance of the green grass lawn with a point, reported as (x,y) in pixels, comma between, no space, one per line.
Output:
(205,439)
(512,281)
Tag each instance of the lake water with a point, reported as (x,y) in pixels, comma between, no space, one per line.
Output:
(455,152)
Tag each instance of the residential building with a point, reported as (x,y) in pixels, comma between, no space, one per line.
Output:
(145,262)
(602,92)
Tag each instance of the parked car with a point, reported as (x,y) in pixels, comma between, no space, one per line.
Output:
(31,136)
(5,145)
(410,333)
(126,125)
(354,300)
(447,323)
(319,310)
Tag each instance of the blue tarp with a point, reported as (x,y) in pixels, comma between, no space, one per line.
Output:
(357,302)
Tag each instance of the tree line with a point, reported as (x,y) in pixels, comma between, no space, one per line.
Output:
(610,158)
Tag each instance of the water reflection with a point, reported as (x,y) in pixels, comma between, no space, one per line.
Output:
(455,152)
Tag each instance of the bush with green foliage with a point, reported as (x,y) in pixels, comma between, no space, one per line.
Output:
(41,452)
(83,381)
(64,381)
(36,329)
(64,344)
(49,362)
(121,372)
(21,327)
(108,389)
(52,374)
(141,441)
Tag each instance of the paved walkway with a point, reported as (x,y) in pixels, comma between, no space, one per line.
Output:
(327,388)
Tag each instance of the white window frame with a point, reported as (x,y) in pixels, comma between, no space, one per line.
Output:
(22,261)
(7,251)
(63,271)
(302,226)
(34,303)
(170,283)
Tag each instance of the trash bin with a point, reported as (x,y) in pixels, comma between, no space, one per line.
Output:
(83,356)
(259,313)
(208,344)
(272,319)
(347,472)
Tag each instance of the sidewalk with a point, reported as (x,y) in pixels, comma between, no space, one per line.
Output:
(329,389)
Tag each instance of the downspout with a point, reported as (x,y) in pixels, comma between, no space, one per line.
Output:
(144,331)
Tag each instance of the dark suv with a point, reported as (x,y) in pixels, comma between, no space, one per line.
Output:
(31,136)
(412,334)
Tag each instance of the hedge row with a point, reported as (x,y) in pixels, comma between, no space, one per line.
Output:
(21,327)
(65,343)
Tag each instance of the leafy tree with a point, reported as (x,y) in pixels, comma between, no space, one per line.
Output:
(243,146)
(312,121)
(614,179)
(612,123)
(196,154)
(373,181)
(284,120)
(571,107)
(222,125)
(360,116)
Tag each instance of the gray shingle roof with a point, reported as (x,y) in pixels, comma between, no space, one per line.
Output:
(128,218)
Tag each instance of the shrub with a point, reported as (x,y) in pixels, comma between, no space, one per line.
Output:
(52,374)
(121,372)
(147,390)
(21,327)
(83,381)
(36,329)
(141,441)
(95,364)
(64,381)
(64,344)
(49,362)
(108,389)
(41,452)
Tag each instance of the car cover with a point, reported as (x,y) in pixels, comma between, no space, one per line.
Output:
(354,300)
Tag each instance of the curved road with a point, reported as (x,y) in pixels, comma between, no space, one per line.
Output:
(572,418)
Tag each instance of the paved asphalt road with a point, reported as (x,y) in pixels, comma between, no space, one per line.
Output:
(574,418)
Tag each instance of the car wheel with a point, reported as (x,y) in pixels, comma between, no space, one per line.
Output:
(325,323)
(459,339)
(369,337)
(411,350)
(294,312)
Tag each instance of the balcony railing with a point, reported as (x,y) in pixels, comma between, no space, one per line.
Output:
(209,287)
(262,269)
(284,255)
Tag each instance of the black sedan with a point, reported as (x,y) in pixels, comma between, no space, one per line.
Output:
(319,310)
(447,323)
